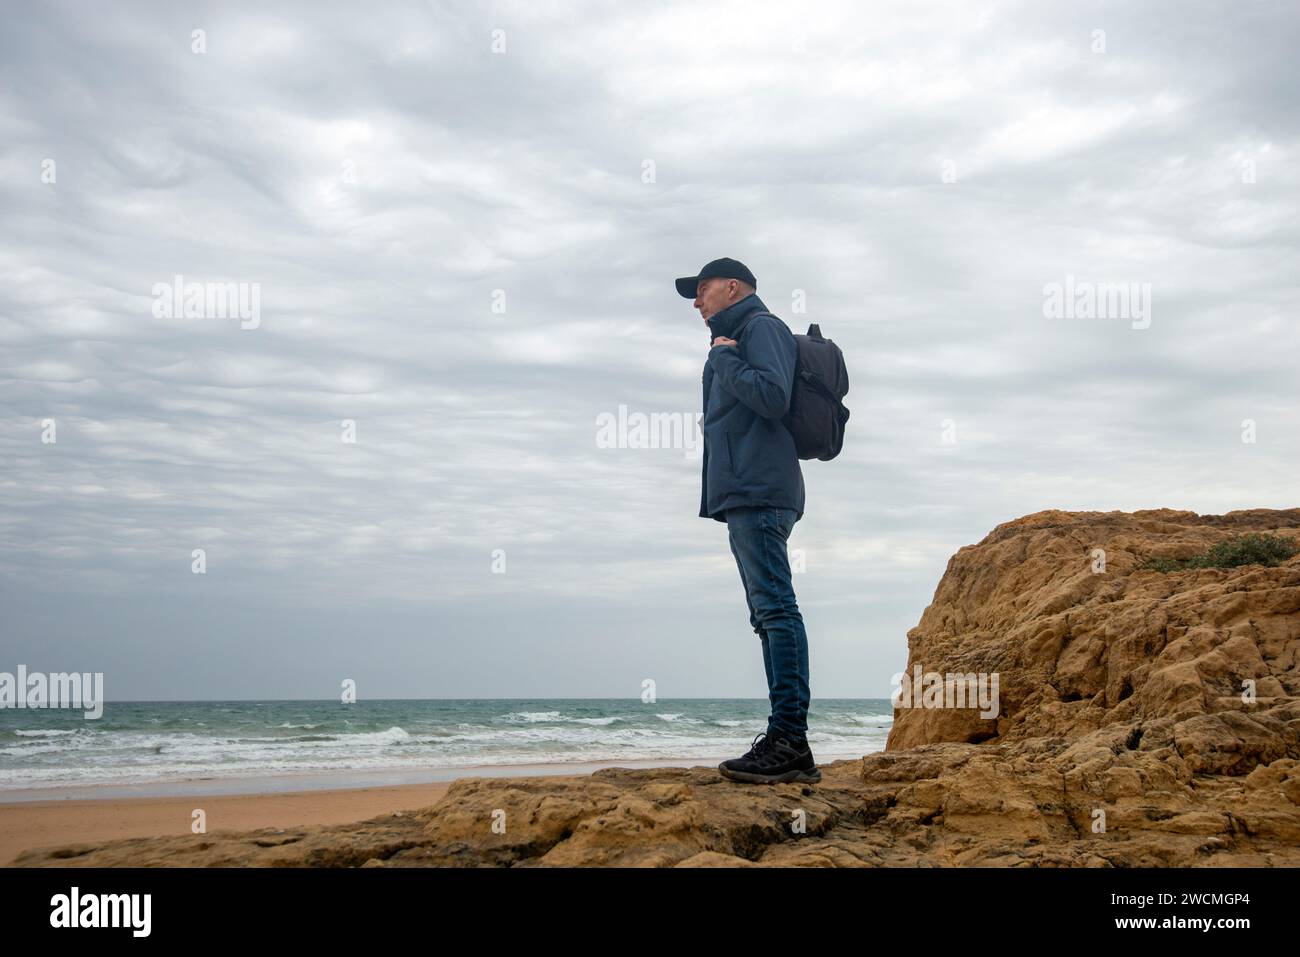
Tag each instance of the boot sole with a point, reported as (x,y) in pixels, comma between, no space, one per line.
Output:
(797,776)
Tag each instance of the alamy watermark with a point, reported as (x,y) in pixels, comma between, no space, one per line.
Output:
(1098,300)
(652,430)
(56,690)
(179,299)
(75,909)
(933,689)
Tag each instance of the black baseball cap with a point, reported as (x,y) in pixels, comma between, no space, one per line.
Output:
(688,286)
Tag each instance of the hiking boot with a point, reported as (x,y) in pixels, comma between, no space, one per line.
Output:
(775,758)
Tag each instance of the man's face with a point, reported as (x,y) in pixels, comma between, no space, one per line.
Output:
(713,295)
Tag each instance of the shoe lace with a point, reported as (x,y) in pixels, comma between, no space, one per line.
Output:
(762,743)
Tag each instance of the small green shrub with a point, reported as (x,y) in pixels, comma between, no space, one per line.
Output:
(1249,549)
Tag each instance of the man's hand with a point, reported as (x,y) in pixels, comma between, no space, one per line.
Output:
(723,341)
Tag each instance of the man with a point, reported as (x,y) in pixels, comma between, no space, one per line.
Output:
(752,481)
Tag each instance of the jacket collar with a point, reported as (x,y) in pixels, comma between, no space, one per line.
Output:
(725,321)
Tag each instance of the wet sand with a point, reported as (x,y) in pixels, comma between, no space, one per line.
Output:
(29,824)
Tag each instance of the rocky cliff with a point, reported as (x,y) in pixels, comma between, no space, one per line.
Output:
(1142,719)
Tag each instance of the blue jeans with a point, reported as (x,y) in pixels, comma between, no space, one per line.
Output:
(758,538)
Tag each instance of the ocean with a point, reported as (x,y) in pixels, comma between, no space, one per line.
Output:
(152,744)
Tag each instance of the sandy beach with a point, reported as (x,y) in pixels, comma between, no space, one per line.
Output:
(29,824)
(53,818)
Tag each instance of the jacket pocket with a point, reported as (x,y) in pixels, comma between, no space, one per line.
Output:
(728,442)
(716,440)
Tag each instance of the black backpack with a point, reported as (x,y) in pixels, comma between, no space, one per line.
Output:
(821,380)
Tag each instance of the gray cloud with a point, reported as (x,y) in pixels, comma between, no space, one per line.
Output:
(380,173)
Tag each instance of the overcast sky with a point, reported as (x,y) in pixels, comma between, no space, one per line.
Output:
(912,177)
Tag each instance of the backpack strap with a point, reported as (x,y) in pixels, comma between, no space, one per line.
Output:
(815,382)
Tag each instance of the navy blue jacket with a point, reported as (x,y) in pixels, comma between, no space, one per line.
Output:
(749,454)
